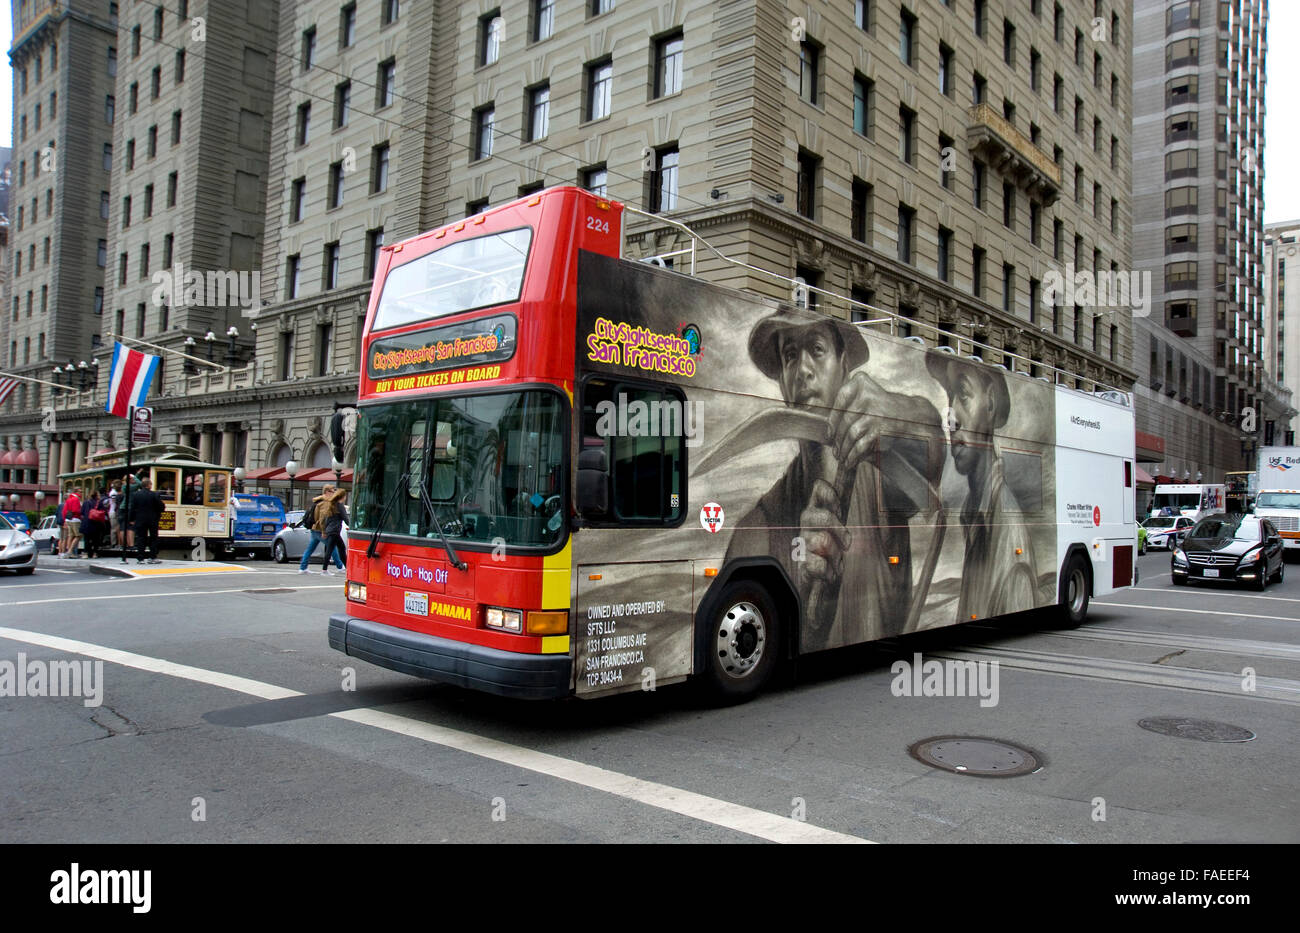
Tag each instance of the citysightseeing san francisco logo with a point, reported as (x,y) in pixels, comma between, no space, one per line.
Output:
(623,344)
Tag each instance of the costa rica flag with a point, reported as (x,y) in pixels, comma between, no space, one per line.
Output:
(129,380)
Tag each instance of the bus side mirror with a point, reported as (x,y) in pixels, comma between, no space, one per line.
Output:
(593,483)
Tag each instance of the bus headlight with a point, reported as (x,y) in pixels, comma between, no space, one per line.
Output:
(357,592)
(508,620)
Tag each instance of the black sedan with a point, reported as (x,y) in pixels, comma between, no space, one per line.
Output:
(1237,548)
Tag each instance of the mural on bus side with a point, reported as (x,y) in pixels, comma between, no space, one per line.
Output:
(899,488)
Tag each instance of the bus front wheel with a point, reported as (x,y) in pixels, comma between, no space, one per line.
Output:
(742,642)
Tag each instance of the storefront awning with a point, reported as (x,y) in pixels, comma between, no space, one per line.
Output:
(1144,478)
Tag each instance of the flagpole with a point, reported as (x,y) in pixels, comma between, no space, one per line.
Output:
(154,346)
(126,516)
(53,385)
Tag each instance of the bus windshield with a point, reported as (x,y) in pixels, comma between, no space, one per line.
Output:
(491,467)
(477,273)
(1177,500)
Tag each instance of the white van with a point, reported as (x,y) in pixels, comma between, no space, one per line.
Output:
(1193,500)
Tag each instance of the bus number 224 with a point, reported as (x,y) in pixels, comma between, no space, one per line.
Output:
(600,226)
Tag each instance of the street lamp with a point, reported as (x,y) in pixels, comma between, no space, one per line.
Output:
(13,499)
(58,374)
(209,337)
(232,333)
(82,368)
(338,472)
(292,469)
(189,366)
(239,475)
(39,495)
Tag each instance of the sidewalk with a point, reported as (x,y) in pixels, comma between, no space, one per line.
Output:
(115,567)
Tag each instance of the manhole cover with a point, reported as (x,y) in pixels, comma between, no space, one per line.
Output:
(974,755)
(1202,730)
(282,589)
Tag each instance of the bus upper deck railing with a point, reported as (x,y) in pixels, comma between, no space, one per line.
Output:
(893,319)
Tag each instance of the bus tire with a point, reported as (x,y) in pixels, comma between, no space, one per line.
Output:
(1072,597)
(742,642)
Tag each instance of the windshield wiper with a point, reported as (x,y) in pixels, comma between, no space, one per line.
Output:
(452,557)
(383,516)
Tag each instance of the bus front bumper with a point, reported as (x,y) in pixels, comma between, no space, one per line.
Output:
(505,673)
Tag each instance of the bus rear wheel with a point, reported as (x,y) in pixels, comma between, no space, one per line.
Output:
(1072,603)
(741,643)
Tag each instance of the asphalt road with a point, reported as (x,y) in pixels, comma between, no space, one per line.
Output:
(222,700)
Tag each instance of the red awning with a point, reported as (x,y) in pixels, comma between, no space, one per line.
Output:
(265,473)
(306,477)
(1144,478)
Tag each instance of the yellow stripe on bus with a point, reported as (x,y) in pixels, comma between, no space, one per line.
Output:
(555,644)
(557,570)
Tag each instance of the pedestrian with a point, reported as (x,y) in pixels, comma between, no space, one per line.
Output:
(114,518)
(317,532)
(71,522)
(146,508)
(330,516)
(95,522)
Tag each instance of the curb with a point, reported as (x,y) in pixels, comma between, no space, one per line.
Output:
(110,571)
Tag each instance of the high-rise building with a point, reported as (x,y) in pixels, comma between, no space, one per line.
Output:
(1282,314)
(64,60)
(1205,387)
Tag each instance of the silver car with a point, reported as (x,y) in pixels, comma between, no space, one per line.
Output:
(291,542)
(17,549)
(46,534)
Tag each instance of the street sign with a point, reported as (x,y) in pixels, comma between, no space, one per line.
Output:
(142,426)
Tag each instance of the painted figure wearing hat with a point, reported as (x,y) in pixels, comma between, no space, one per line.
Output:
(840,497)
(998,570)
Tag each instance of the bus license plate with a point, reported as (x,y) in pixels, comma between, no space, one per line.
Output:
(1210,573)
(268,529)
(417,604)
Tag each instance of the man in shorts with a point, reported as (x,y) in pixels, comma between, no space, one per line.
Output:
(71,524)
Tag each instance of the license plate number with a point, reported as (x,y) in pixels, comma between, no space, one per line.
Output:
(1211,573)
(268,529)
(416,604)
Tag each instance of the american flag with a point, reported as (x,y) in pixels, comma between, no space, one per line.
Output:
(6,388)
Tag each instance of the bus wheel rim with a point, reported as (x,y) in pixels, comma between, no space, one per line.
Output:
(741,640)
(1077,591)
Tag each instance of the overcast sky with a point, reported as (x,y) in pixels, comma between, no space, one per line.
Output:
(1281,127)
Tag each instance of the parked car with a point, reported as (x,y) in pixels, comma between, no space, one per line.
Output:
(18,520)
(47,531)
(1166,531)
(290,543)
(1241,548)
(258,519)
(1142,539)
(17,549)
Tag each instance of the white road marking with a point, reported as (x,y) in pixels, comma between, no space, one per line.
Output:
(100,580)
(1189,591)
(76,599)
(1263,649)
(1206,612)
(722,813)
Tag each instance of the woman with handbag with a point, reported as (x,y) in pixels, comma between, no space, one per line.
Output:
(330,516)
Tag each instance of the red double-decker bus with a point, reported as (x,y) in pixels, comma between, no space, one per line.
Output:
(581,474)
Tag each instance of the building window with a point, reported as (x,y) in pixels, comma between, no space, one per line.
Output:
(664,180)
(809,71)
(135,44)
(864,106)
(336,185)
(112,63)
(169,243)
(286,355)
(126,212)
(331,267)
(386,84)
(1035,222)
(342,104)
(103,205)
(171,189)
(979,88)
(390,12)
(379,169)
(977,183)
(1008,288)
(668,65)
(906,38)
(980,18)
(347,25)
(1058,92)
(906,233)
(155,83)
(374,243)
(323,334)
(1009,205)
(489,38)
(947,160)
(151,143)
(601,6)
(292,274)
(860,211)
(1035,70)
(297,193)
(977,272)
(176,127)
(1034,285)
(121,269)
(543,19)
(101,253)
(144,261)
(130,154)
(907,135)
(308,48)
(476,207)
(806,193)
(945,255)
(595,180)
(539,111)
(484,121)
(109,108)
(1009,43)
(945,70)
(600,85)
